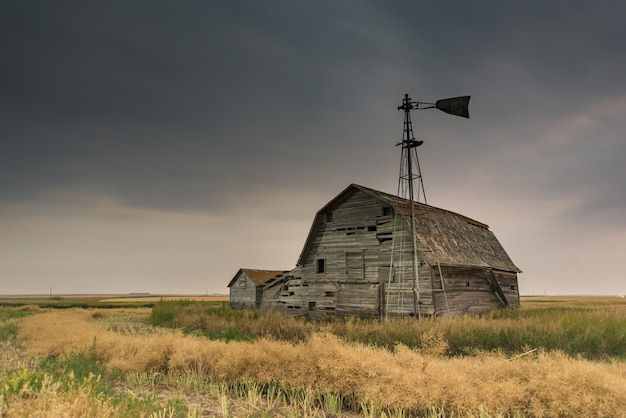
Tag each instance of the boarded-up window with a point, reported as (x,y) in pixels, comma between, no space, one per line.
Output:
(354,265)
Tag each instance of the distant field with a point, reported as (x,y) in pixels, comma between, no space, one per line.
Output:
(126,299)
(102,301)
(212,298)
(573,301)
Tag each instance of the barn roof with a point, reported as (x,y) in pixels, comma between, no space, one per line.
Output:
(258,277)
(443,237)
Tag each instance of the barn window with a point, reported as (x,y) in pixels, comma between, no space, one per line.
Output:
(512,287)
(311,306)
(242,282)
(467,284)
(321,265)
(329,216)
(387,211)
(371,228)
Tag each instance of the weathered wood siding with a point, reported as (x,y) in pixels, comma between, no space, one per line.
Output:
(355,243)
(472,290)
(244,293)
(509,285)
(345,267)
(358,299)
(293,296)
(271,295)
(349,242)
(398,296)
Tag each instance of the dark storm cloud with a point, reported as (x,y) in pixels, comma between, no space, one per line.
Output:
(155,100)
(219,107)
(114,94)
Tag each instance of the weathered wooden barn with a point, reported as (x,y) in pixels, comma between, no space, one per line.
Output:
(356,261)
(246,287)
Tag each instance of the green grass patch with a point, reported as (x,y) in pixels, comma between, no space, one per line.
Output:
(9,319)
(593,332)
(58,302)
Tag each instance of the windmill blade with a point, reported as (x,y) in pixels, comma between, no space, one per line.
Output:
(457,106)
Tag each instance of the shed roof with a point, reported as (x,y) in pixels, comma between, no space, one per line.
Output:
(443,237)
(258,277)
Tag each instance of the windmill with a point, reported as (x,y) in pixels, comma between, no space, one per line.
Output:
(410,174)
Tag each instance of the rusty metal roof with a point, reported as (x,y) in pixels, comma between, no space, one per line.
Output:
(258,277)
(443,237)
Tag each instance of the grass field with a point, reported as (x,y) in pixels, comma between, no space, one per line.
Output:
(210,361)
(211,298)
(101,301)
(574,301)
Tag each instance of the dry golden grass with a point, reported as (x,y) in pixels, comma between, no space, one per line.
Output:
(574,301)
(542,384)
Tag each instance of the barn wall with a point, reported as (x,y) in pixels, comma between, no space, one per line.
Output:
(471,290)
(271,294)
(358,299)
(258,297)
(243,293)
(398,297)
(349,243)
(355,243)
(508,283)
(294,296)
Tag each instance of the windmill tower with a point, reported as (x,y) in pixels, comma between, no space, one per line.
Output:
(410,171)
(411,189)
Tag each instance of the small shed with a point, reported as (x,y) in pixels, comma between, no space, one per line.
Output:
(246,288)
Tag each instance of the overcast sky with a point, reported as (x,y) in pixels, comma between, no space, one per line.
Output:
(159,146)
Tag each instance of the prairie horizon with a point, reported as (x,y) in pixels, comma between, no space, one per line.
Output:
(218,295)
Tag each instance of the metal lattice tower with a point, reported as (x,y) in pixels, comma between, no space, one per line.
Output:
(411,188)
(410,171)
(410,177)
